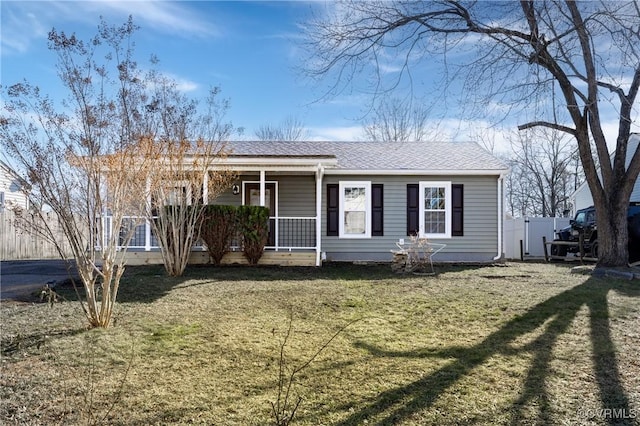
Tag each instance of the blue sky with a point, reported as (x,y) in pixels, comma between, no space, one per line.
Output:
(252,50)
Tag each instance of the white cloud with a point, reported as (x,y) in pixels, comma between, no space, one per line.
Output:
(183,84)
(25,22)
(345,133)
(20,27)
(160,15)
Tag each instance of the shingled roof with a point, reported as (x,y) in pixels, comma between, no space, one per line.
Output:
(379,156)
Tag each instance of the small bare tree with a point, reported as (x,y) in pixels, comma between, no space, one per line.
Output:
(544,160)
(395,120)
(187,145)
(291,129)
(81,162)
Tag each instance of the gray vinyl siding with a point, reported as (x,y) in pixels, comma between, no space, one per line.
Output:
(479,242)
(296,198)
(296,194)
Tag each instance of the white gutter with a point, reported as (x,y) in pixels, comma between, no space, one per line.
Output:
(500,217)
(412,172)
(276,161)
(319,176)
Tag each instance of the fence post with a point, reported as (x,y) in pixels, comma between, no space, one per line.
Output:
(521,251)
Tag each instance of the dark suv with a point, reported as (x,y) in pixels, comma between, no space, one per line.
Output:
(585,223)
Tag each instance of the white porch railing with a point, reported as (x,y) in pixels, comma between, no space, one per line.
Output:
(286,233)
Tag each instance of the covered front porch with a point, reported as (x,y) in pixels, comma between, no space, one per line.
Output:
(290,186)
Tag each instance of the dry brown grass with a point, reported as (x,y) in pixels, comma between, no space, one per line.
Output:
(516,344)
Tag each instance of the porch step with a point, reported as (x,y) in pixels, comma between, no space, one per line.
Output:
(279,258)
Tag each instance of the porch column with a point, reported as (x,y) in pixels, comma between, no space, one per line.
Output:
(263,187)
(319,175)
(147,222)
(205,188)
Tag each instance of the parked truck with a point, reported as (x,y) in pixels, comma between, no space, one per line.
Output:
(584,224)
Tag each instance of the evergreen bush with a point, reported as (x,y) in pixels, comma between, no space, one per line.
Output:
(253,223)
(218,228)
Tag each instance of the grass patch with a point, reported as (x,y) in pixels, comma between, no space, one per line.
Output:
(515,344)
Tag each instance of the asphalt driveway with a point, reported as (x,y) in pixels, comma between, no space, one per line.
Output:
(20,278)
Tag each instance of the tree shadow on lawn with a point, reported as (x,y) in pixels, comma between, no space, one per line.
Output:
(146,284)
(10,345)
(557,313)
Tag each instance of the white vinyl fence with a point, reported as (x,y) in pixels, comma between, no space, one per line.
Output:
(19,238)
(523,236)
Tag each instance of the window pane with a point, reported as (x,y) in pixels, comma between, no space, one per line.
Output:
(354,199)
(355,209)
(354,222)
(434,198)
(434,222)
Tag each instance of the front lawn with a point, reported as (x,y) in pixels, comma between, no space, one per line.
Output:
(514,344)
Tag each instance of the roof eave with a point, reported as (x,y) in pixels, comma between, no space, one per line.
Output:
(406,172)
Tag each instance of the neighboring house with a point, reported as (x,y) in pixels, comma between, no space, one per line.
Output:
(582,198)
(12,191)
(352,201)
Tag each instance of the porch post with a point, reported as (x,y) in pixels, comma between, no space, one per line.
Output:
(263,187)
(319,175)
(205,188)
(147,222)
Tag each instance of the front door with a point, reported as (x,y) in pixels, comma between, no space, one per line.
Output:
(252,198)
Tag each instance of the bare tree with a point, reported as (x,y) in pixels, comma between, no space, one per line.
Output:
(544,158)
(124,141)
(518,190)
(187,142)
(395,120)
(565,64)
(290,129)
(81,162)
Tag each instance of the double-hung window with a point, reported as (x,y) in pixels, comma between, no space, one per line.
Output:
(355,209)
(435,211)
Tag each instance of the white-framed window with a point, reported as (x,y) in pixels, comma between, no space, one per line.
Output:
(177,193)
(355,209)
(435,209)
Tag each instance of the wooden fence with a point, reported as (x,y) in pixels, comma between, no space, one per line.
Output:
(19,238)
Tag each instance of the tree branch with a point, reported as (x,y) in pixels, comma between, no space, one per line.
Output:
(549,125)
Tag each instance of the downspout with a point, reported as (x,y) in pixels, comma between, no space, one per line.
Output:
(500,217)
(319,176)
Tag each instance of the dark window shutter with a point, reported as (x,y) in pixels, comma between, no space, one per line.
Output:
(332,209)
(377,214)
(413,208)
(457,207)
